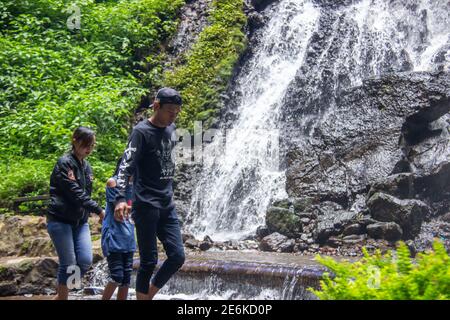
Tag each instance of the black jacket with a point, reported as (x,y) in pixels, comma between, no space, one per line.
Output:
(70,191)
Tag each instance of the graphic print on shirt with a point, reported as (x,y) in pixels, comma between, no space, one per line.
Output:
(166,159)
(121,179)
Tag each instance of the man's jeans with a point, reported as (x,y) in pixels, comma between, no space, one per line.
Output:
(150,223)
(74,248)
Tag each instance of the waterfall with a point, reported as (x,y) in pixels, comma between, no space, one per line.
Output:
(237,185)
(320,49)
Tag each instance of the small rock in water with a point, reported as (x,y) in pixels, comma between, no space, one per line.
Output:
(334,242)
(305,220)
(92,291)
(187,236)
(262,232)
(353,239)
(353,229)
(205,245)
(191,243)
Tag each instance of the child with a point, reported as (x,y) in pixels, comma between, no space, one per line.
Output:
(118,243)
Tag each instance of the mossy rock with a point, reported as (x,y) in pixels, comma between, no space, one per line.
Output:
(285,203)
(35,247)
(283,221)
(25,236)
(304,204)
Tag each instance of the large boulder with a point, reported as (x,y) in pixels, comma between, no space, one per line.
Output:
(385,230)
(194,18)
(409,214)
(331,220)
(399,185)
(434,187)
(276,242)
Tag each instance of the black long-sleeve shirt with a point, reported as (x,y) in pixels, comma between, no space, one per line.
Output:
(148,157)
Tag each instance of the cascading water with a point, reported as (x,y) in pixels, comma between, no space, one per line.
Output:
(229,280)
(329,48)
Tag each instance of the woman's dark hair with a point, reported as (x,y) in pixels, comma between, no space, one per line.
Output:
(83,135)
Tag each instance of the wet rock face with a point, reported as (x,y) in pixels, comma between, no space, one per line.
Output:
(371,142)
(332,220)
(434,187)
(186,177)
(384,149)
(260,5)
(361,140)
(194,17)
(25,236)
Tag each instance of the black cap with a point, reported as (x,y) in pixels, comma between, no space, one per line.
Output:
(168,96)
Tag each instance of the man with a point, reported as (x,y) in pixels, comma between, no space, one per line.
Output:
(148,157)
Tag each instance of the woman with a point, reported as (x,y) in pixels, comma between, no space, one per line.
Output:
(69,209)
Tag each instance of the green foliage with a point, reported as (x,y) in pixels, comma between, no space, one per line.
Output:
(392,276)
(23,177)
(54,79)
(210,63)
(28,177)
(102,172)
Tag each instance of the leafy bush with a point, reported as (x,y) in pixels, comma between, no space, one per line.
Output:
(28,177)
(55,79)
(24,177)
(392,276)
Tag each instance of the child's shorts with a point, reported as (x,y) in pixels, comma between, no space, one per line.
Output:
(120,268)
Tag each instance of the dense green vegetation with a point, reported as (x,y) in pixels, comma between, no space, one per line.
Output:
(209,65)
(392,276)
(55,78)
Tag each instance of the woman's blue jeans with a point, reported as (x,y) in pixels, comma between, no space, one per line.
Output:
(74,248)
